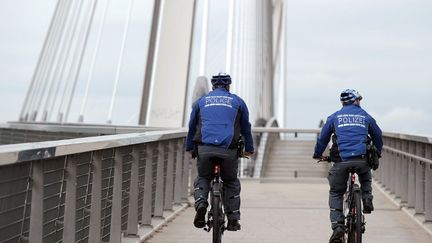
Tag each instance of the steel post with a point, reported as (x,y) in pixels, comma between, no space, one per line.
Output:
(169,184)
(132,223)
(116,206)
(148,182)
(96,194)
(419,188)
(393,173)
(428,193)
(36,213)
(178,172)
(159,197)
(411,183)
(185,175)
(398,173)
(404,179)
(428,185)
(70,200)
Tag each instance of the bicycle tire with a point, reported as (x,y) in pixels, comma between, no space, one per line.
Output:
(217,219)
(355,232)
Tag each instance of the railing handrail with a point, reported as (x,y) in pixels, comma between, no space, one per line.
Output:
(411,137)
(409,155)
(80,128)
(15,153)
(38,150)
(263,146)
(117,129)
(285,130)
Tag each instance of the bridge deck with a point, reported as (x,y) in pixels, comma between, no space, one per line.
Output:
(295,212)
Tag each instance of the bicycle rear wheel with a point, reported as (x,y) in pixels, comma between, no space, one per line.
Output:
(217,219)
(355,230)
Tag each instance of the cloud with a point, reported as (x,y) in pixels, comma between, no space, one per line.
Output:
(406,120)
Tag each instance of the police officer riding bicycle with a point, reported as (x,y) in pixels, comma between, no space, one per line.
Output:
(349,129)
(216,122)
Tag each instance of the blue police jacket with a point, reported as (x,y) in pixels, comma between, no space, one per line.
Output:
(351,124)
(218,119)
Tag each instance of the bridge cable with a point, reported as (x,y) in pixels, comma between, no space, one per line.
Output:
(235,46)
(119,63)
(242,49)
(51,63)
(48,70)
(54,61)
(93,61)
(247,54)
(64,57)
(86,34)
(229,39)
(60,58)
(73,57)
(53,38)
(204,32)
(54,19)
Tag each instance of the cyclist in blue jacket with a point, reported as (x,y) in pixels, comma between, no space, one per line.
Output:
(216,122)
(350,127)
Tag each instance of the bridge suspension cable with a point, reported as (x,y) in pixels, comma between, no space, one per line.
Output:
(120,60)
(64,40)
(54,20)
(64,78)
(204,32)
(85,32)
(49,79)
(93,61)
(53,40)
(45,54)
(59,54)
(229,42)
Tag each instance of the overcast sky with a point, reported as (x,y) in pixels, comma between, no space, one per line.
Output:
(382,48)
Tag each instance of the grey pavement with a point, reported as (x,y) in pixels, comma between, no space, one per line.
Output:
(295,212)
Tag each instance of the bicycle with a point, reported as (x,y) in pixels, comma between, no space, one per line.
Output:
(216,215)
(352,208)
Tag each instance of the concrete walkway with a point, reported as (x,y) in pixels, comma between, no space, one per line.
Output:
(295,212)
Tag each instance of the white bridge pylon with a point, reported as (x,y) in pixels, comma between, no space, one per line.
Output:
(251,40)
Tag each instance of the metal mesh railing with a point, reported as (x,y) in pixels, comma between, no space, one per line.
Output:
(90,190)
(15,186)
(406,172)
(84,185)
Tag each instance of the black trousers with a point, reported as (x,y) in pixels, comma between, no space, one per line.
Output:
(338,177)
(228,171)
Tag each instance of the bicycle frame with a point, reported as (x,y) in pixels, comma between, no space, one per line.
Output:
(349,196)
(349,206)
(217,222)
(352,205)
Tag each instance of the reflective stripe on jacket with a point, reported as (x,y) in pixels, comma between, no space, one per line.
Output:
(351,124)
(218,119)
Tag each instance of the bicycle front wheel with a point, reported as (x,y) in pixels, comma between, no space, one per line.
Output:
(355,232)
(217,219)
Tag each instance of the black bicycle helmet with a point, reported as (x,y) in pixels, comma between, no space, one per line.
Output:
(221,79)
(350,95)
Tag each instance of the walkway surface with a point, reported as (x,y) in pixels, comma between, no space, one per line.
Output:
(295,212)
